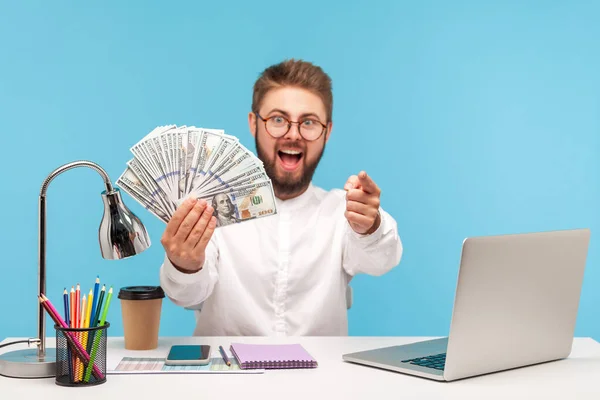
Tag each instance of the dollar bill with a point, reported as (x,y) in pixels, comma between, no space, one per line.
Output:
(172,163)
(145,180)
(235,163)
(238,205)
(141,197)
(208,142)
(229,179)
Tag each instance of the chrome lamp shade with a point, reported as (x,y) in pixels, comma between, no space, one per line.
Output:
(121,232)
(121,235)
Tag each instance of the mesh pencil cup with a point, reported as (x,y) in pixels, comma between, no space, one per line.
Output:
(81,355)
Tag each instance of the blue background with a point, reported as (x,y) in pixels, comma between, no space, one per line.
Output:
(473,117)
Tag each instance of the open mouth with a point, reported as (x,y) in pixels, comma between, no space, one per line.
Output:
(290,159)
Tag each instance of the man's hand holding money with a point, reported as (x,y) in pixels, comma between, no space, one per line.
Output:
(187,235)
(362,203)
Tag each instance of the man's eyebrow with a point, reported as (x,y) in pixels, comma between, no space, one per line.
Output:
(310,114)
(277,110)
(286,114)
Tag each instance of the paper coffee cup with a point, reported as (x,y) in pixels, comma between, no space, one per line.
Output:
(140,309)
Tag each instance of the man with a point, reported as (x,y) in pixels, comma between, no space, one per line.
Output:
(285,274)
(224,210)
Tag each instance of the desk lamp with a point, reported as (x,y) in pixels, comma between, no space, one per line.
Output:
(121,234)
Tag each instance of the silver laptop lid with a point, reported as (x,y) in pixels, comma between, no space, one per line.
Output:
(516,301)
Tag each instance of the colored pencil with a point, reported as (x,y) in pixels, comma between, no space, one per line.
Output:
(77,335)
(97,337)
(94,321)
(94,303)
(224,355)
(77,306)
(66,301)
(72,307)
(76,346)
(99,306)
(81,336)
(68,320)
(88,314)
(72,325)
(105,312)
(76,325)
(86,320)
(83,311)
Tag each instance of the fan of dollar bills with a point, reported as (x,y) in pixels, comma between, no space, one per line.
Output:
(173,163)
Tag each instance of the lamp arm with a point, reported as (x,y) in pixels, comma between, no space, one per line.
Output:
(42,239)
(75,164)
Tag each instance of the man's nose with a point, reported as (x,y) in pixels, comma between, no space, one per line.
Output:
(294,132)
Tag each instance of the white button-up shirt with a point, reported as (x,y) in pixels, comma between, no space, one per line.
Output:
(285,274)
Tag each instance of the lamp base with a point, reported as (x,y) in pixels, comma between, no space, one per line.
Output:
(26,364)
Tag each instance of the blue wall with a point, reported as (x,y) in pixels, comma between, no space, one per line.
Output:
(473,118)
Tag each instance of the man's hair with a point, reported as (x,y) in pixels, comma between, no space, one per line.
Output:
(295,73)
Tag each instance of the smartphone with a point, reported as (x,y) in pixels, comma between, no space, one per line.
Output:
(194,354)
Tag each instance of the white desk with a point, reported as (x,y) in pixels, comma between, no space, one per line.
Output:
(577,377)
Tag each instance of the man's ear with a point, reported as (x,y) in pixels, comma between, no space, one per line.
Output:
(329,129)
(252,123)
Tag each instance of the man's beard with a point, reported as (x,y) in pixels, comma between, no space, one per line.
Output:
(287,185)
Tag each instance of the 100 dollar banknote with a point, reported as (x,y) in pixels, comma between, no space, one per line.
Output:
(241,204)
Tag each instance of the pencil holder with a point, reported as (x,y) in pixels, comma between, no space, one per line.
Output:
(81,355)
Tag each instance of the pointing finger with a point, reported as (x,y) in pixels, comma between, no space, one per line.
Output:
(367,183)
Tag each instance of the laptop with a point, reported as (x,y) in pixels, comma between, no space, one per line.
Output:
(515,305)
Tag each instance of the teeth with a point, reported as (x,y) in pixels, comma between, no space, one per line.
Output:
(292,152)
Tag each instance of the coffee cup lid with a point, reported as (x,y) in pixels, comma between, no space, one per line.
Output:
(141,293)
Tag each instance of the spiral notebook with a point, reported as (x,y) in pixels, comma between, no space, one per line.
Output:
(272,356)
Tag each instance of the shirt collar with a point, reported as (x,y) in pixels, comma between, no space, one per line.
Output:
(298,201)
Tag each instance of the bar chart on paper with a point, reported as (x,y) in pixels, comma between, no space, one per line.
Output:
(156,365)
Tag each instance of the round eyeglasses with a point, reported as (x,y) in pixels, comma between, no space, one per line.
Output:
(277,126)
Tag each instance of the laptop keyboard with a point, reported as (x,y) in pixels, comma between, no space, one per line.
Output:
(436,361)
